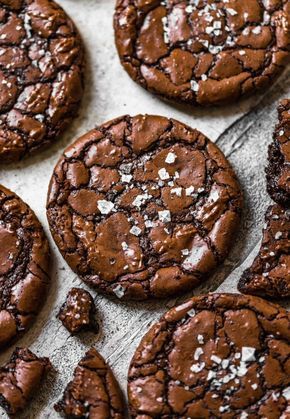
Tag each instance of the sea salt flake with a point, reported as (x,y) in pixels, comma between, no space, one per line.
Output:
(126,178)
(189,190)
(286,393)
(254,386)
(194,86)
(164,216)
(278,235)
(217,24)
(39,116)
(104,206)
(231,11)
(171,157)
(200,339)
(209,29)
(225,363)
(215,49)
(257,30)
(191,312)
(211,375)
(176,175)
(149,224)
(216,359)
(124,246)
(119,291)
(223,408)
(140,199)
(197,367)
(135,230)
(242,369)
(163,174)
(176,191)
(248,354)
(123,21)
(197,353)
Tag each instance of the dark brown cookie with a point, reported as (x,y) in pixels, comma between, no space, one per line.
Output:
(20,378)
(269,275)
(78,311)
(278,170)
(143,207)
(24,266)
(217,356)
(41,80)
(204,52)
(93,392)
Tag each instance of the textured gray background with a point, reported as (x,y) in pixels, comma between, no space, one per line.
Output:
(242,130)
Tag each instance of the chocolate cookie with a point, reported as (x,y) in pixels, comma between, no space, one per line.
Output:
(41,80)
(204,52)
(278,170)
(24,266)
(20,378)
(269,275)
(93,392)
(216,356)
(143,207)
(78,311)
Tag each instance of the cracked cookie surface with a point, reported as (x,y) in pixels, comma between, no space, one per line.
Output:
(215,356)
(269,275)
(93,392)
(203,52)
(41,75)
(24,266)
(78,311)
(143,207)
(20,379)
(278,170)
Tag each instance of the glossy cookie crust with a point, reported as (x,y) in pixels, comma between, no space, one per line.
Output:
(20,378)
(41,75)
(223,356)
(24,266)
(93,392)
(143,207)
(278,170)
(204,52)
(269,275)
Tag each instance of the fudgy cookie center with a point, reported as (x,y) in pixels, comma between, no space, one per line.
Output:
(9,250)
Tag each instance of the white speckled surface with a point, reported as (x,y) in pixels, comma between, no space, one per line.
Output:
(242,133)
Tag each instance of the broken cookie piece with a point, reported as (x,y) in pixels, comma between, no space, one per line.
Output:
(93,392)
(278,170)
(269,275)
(78,311)
(20,378)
